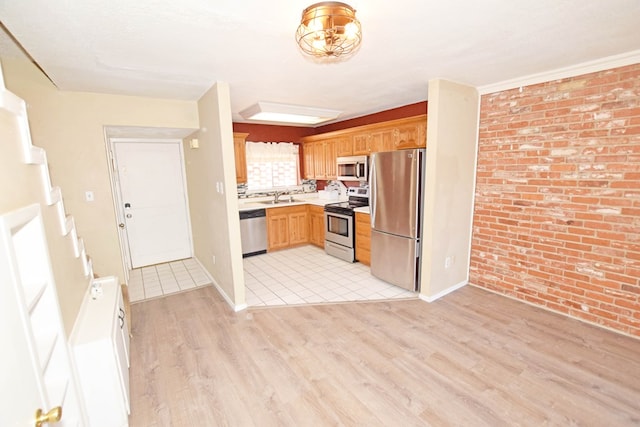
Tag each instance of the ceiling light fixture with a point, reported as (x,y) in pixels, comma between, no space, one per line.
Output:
(329,29)
(282,113)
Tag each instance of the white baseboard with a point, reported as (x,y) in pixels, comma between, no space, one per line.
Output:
(440,294)
(235,308)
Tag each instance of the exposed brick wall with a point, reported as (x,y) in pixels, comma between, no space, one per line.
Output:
(557,209)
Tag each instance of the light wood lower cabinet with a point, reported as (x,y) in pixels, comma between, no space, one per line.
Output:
(277,229)
(363,238)
(316,225)
(287,226)
(298,226)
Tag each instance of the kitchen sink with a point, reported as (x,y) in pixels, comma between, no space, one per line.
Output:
(285,201)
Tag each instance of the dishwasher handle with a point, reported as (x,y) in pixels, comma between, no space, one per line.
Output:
(255,213)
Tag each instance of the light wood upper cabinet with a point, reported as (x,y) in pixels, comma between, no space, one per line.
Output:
(330,159)
(361,143)
(407,136)
(321,151)
(382,140)
(319,166)
(309,156)
(239,148)
(344,146)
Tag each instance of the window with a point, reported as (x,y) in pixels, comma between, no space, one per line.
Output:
(272,164)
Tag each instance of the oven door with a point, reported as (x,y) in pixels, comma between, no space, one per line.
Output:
(338,229)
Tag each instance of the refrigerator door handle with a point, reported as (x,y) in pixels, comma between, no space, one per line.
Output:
(373,190)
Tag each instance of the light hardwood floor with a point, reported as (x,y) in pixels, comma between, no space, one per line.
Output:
(471,358)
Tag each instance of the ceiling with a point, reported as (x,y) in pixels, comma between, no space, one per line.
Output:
(179,49)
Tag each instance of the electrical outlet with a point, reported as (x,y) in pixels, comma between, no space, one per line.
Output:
(448,261)
(213,257)
(88,196)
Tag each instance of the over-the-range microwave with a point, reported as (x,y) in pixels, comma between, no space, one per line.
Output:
(353,168)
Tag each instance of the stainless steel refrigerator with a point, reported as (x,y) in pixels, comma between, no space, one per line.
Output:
(396,194)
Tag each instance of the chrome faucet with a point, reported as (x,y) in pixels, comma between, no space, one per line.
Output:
(277,194)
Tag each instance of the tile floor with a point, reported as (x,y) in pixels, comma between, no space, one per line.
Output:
(308,275)
(164,279)
(301,275)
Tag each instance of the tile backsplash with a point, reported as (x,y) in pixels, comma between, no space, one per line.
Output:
(306,186)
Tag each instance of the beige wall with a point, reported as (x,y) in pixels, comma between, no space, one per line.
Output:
(213,197)
(70,126)
(20,186)
(449,185)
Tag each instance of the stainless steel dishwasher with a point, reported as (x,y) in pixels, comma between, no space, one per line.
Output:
(253,232)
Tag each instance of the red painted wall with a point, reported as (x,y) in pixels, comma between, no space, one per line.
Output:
(557,209)
(275,133)
(382,116)
(271,133)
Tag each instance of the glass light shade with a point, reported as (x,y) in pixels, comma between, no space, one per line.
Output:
(283,113)
(329,29)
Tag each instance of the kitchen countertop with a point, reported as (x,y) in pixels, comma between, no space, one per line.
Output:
(363,209)
(304,199)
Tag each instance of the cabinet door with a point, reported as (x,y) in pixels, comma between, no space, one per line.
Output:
(363,238)
(344,146)
(316,225)
(410,135)
(330,159)
(298,228)
(277,230)
(318,160)
(100,349)
(382,140)
(361,144)
(308,155)
(239,149)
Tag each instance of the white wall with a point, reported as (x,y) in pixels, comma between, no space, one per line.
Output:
(452,132)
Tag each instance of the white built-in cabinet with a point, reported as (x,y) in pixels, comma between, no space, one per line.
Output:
(100,346)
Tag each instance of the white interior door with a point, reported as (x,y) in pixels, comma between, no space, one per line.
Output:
(152,189)
(35,367)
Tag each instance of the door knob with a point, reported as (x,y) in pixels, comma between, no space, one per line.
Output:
(53,416)
(121,225)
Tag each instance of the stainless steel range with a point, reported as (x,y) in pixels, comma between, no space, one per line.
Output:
(339,238)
